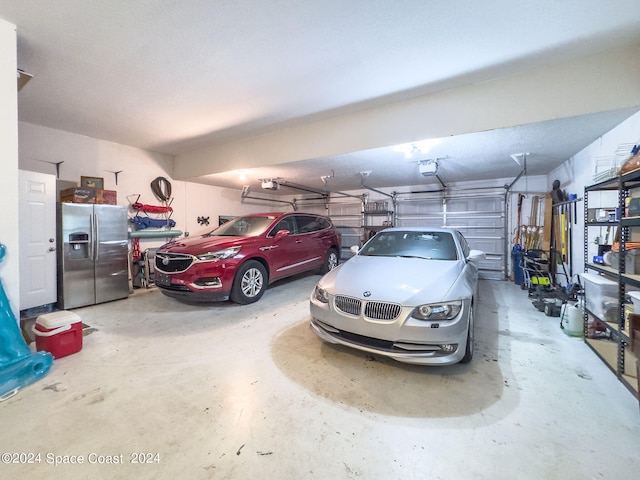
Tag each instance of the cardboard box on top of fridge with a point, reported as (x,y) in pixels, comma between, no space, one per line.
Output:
(107,197)
(78,195)
(89,195)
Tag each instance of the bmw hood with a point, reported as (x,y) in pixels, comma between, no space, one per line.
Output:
(409,281)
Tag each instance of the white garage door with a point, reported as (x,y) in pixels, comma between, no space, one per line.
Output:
(480,217)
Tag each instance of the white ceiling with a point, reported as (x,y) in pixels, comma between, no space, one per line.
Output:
(180,76)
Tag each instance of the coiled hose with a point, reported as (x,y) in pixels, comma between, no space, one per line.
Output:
(161,188)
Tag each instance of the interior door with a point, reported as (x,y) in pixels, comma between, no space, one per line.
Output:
(37,232)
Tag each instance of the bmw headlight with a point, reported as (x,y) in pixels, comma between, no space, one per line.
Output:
(321,294)
(218,255)
(437,311)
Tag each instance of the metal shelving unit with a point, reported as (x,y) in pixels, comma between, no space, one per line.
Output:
(375,217)
(614,351)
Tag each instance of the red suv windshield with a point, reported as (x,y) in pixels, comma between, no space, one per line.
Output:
(243,227)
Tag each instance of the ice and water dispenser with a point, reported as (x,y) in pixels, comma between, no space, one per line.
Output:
(78,246)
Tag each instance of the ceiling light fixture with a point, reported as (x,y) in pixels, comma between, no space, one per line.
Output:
(242,174)
(428,167)
(270,185)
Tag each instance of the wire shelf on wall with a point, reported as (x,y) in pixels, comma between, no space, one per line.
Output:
(609,167)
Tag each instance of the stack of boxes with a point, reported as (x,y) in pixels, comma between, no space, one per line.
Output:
(88,195)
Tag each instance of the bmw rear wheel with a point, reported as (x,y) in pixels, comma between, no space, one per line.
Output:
(250,283)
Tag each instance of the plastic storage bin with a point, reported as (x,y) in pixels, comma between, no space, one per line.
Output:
(59,333)
(601,296)
(631,259)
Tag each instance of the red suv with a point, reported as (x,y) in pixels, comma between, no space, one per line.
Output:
(240,258)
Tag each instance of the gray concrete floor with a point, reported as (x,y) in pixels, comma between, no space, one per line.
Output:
(245,392)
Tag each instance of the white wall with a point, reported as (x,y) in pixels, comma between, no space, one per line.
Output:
(577,173)
(41,148)
(207,201)
(10,266)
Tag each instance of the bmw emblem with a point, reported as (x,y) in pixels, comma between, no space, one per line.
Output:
(367,294)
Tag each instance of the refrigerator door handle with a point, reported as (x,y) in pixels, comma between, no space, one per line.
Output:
(96,229)
(92,243)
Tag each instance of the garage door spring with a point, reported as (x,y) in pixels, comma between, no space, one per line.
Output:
(161,188)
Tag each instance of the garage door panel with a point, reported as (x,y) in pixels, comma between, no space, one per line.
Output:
(424,222)
(340,209)
(474,204)
(488,246)
(479,229)
(420,213)
(479,217)
(347,218)
(420,207)
(317,208)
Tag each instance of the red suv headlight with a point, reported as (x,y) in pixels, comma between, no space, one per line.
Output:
(218,255)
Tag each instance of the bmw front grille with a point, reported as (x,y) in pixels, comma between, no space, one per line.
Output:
(382,310)
(373,310)
(348,305)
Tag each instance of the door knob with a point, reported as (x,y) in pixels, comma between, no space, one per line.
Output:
(51,240)
(52,249)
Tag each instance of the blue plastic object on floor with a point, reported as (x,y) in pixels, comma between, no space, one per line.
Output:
(516,262)
(19,367)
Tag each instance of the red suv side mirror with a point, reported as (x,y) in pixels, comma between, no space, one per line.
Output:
(280,234)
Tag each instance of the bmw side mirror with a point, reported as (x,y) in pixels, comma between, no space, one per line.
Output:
(475,256)
(355,249)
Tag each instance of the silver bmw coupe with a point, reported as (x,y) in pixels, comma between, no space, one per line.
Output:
(407,294)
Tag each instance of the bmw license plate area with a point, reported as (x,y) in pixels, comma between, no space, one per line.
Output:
(162,279)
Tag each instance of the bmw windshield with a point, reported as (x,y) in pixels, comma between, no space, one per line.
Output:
(412,244)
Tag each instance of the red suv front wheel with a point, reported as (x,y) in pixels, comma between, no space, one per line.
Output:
(249,283)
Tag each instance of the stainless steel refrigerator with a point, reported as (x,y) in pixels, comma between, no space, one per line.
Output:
(92,254)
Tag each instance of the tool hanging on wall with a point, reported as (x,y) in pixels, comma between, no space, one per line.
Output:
(518,227)
(533,216)
(161,188)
